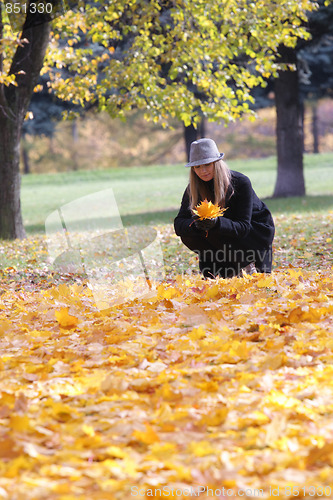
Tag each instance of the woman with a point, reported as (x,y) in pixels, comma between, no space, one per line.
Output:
(239,240)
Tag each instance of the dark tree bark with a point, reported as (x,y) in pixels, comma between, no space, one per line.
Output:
(315,131)
(192,134)
(302,108)
(203,128)
(75,136)
(14,101)
(25,159)
(289,130)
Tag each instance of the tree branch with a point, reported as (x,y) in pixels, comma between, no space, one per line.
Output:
(28,61)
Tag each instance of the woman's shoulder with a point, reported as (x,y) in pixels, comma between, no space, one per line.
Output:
(237,178)
(186,194)
(187,190)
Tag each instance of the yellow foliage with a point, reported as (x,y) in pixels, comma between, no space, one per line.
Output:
(207,210)
(19,423)
(65,320)
(201,448)
(147,436)
(163,450)
(215,418)
(201,378)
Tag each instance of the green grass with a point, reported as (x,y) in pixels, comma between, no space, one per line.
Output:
(150,196)
(139,191)
(147,195)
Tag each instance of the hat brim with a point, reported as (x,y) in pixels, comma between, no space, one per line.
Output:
(205,161)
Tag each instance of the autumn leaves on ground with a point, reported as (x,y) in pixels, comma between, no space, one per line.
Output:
(201,388)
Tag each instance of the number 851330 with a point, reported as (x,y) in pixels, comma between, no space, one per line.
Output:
(32,8)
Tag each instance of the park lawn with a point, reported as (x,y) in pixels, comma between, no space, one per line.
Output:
(198,384)
(150,196)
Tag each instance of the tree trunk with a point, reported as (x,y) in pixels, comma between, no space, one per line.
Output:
(75,137)
(192,134)
(290,176)
(14,101)
(315,131)
(11,225)
(25,159)
(302,109)
(203,128)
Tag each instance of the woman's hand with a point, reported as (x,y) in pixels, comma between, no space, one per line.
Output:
(205,224)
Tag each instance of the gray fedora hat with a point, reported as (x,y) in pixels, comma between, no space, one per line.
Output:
(203,151)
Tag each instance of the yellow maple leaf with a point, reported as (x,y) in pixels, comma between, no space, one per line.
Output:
(200,448)
(147,436)
(163,413)
(116,452)
(9,449)
(280,400)
(65,320)
(207,210)
(273,362)
(19,423)
(16,466)
(88,430)
(215,418)
(163,450)
(324,453)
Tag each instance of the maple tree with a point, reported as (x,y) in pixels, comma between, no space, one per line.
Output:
(150,55)
(289,106)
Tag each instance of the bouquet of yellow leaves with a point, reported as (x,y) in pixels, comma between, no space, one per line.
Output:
(207,214)
(207,210)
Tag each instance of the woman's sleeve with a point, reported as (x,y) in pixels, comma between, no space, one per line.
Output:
(183,221)
(236,222)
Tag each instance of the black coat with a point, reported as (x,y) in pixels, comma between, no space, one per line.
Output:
(247,223)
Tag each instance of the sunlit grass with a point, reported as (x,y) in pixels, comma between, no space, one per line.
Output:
(147,195)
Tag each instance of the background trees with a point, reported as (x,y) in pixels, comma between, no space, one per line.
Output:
(161,56)
(19,72)
(45,111)
(316,64)
(305,59)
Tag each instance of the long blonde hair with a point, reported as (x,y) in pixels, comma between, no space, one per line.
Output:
(198,189)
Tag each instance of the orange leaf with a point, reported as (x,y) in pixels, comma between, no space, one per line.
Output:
(8,448)
(215,418)
(148,436)
(19,423)
(207,210)
(65,320)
